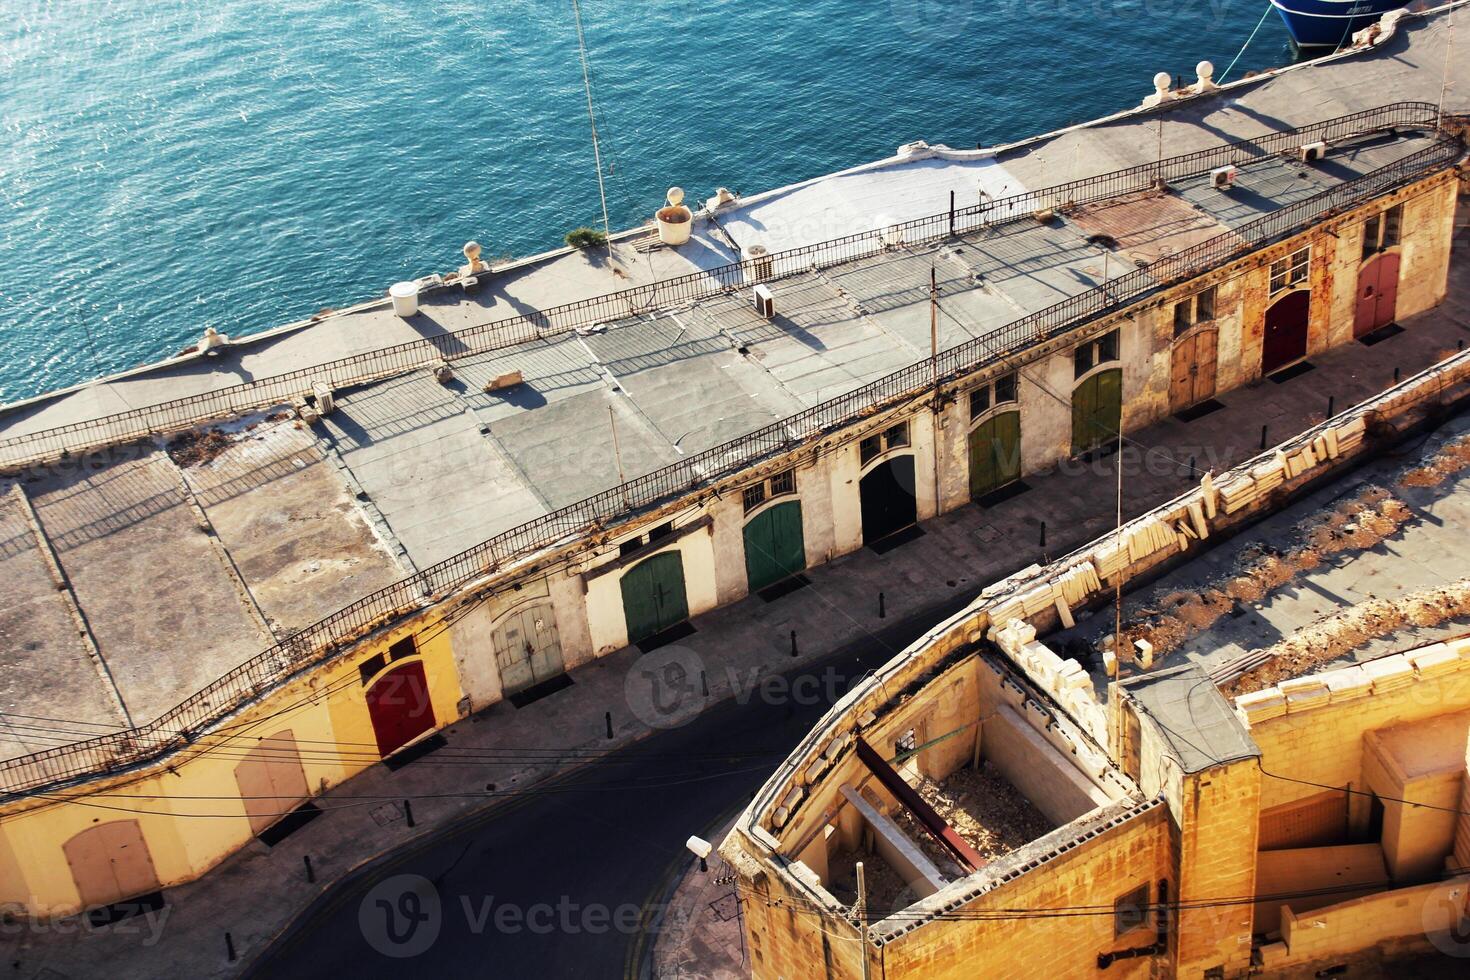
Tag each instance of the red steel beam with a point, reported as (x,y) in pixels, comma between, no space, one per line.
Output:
(915,804)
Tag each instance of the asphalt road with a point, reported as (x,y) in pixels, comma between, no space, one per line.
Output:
(560,882)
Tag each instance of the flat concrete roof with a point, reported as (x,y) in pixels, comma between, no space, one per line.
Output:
(1193,717)
(282,523)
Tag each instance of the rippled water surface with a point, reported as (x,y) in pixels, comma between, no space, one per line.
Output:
(167,166)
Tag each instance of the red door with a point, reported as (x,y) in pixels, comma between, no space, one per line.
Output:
(1285,338)
(398,703)
(1378,293)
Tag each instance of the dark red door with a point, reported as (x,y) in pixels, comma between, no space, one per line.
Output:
(1378,293)
(398,703)
(1285,339)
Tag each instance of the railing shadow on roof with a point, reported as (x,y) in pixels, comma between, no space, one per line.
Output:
(183,724)
(204,407)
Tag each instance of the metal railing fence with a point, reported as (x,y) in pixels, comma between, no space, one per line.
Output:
(196,409)
(182,724)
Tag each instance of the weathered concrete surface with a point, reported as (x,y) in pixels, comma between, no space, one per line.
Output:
(168,614)
(46,673)
(294,533)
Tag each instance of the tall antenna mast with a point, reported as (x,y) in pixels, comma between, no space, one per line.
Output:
(592,119)
(1444,83)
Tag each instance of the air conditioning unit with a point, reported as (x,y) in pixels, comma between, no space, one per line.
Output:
(321,398)
(1312,152)
(1222,178)
(765,303)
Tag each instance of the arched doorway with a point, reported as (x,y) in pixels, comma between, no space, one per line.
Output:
(1378,293)
(399,706)
(271,780)
(1285,338)
(110,862)
(1192,368)
(775,548)
(653,596)
(995,453)
(889,503)
(527,648)
(1097,410)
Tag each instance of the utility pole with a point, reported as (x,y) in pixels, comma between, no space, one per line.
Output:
(618,456)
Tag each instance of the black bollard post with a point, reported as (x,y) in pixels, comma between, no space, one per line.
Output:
(408,812)
(1191,468)
(230,947)
(881,611)
(310,874)
(704,683)
(1395,375)
(1043,534)
(608,717)
(793,643)
(1263,437)
(1331,406)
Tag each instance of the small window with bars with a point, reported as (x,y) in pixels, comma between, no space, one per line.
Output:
(890,438)
(1099,350)
(997,392)
(1290,272)
(1382,231)
(779,485)
(1194,310)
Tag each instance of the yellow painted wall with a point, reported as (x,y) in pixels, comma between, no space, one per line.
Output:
(191,815)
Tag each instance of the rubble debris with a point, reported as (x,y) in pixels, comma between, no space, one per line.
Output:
(1451,459)
(197,448)
(1344,631)
(990,814)
(1356,524)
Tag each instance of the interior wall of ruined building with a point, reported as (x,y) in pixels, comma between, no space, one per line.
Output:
(975,714)
(1128,853)
(1394,729)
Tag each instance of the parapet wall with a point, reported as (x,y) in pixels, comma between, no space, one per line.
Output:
(1311,728)
(1047,598)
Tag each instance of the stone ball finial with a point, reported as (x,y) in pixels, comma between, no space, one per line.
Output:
(1205,70)
(1162,81)
(471,250)
(675,196)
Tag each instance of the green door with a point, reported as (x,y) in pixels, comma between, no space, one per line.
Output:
(995,453)
(653,596)
(774,547)
(1097,410)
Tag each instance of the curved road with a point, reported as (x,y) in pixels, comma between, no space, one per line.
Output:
(557,883)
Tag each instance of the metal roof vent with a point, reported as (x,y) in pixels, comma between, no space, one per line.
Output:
(1223,178)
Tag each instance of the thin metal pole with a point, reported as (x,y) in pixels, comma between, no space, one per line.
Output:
(618,455)
(592,120)
(862,911)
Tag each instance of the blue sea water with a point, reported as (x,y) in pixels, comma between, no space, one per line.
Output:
(170,165)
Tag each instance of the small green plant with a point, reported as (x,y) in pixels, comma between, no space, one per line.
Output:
(585,237)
